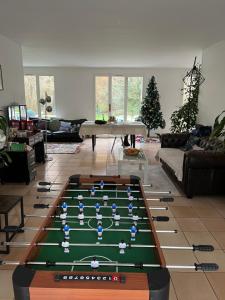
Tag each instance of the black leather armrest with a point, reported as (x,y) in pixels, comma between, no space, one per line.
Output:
(174,140)
(204,160)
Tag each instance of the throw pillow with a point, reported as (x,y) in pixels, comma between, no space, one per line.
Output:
(193,140)
(65,126)
(54,125)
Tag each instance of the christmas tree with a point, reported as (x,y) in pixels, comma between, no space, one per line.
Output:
(150,111)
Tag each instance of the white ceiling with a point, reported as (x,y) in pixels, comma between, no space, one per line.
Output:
(112,33)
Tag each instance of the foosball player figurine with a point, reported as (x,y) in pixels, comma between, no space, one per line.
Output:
(135,219)
(65,244)
(105,199)
(100,231)
(99,218)
(117,219)
(114,207)
(97,207)
(130,209)
(94,264)
(64,207)
(66,230)
(122,247)
(133,231)
(129,191)
(93,191)
(81,218)
(80,197)
(102,184)
(130,198)
(62,217)
(81,206)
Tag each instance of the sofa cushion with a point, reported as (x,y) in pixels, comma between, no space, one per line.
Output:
(174,159)
(54,125)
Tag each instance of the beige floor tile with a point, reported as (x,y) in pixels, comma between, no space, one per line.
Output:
(180,258)
(191,224)
(180,201)
(206,212)
(217,281)
(220,238)
(214,224)
(6,289)
(217,256)
(172,239)
(172,295)
(201,238)
(158,212)
(192,286)
(183,212)
(170,225)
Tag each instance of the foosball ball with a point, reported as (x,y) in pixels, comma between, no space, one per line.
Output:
(97,241)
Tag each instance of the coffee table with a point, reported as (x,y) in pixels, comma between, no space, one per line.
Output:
(140,163)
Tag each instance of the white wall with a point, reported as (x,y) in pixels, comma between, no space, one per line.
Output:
(12,72)
(212,93)
(74,88)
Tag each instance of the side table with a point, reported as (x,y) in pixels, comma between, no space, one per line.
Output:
(7,203)
(125,163)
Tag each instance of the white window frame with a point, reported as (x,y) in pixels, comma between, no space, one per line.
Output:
(110,90)
(38,92)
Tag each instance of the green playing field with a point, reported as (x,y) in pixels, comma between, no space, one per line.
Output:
(103,254)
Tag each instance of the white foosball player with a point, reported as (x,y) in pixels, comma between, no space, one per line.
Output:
(129,191)
(117,219)
(62,217)
(122,247)
(135,219)
(99,218)
(93,191)
(65,244)
(130,198)
(105,200)
(94,264)
(80,197)
(102,184)
(81,218)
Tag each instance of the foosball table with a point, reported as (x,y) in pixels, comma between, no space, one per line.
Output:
(97,241)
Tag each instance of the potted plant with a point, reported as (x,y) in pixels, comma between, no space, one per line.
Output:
(4,129)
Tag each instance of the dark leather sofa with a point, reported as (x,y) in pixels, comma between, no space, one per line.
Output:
(61,136)
(203,170)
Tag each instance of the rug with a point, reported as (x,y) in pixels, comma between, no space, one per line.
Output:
(63,148)
(156,176)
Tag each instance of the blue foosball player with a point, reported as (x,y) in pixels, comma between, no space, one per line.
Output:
(100,231)
(133,231)
(97,207)
(81,206)
(130,209)
(114,207)
(64,207)
(93,191)
(66,230)
(102,184)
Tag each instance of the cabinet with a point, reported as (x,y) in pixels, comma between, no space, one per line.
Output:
(22,168)
(36,141)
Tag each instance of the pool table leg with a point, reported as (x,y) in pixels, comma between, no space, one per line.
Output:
(159,284)
(22,278)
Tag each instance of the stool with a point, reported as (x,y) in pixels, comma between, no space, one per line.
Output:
(7,203)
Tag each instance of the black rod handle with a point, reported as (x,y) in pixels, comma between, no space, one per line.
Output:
(41,205)
(161,219)
(44,183)
(206,267)
(167,199)
(206,248)
(42,190)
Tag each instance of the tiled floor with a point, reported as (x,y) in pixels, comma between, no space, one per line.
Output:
(199,221)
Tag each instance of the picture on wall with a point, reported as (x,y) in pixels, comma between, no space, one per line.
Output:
(1,79)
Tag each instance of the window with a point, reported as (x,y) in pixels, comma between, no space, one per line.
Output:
(118,96)
(37,87)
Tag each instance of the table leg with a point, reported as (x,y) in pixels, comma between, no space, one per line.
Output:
(7,233)
(21,213)
(93,137)
(132,137)
(125,142)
